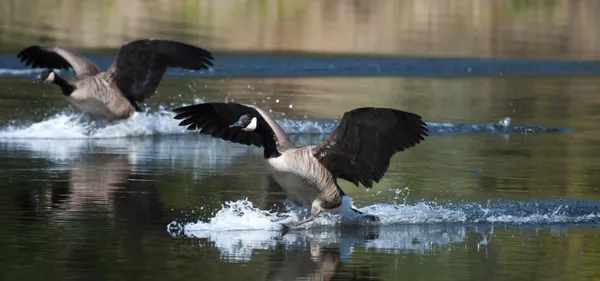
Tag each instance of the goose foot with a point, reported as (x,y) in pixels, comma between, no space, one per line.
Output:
(287,227)
(284,229)
(366,217)
(370,218)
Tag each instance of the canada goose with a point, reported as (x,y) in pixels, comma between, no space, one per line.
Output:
(133,76)
(318,262)
(359,150)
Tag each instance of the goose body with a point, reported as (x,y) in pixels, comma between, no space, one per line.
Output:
(305,181)
(98,97)
(133,77)
(359,150)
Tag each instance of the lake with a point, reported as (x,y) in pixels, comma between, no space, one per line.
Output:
(504,188)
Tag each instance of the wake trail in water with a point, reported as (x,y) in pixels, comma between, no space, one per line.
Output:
(239,227)
(242,215)
(75,125)
(22,72)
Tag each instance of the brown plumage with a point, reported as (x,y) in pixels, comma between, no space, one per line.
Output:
(133,77)
(359,150)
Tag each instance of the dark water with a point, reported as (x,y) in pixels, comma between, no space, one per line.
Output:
(484,197)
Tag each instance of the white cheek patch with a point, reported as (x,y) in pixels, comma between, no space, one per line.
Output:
(50,77)
(252,125)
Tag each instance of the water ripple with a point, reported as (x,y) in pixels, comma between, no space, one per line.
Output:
(238,227)
(69,125)
(318,65)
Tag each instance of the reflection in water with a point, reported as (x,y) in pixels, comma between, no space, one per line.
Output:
(316,254)
(102,206)
(411,238)
(316,263)
(350,252)
(100,184)
(102,199)
(97,208)
(192,152)
(93,183)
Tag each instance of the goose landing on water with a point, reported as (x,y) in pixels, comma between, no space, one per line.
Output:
(359,150)
(133,77)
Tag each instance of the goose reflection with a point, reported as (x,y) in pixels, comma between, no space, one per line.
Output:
(102,206)
(93,183)
(178,152)
(410,238)
(97,185)
(320,259)
(318,263)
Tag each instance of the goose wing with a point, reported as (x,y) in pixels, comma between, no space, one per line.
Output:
(214,119)
(140,65)
(361,147)
(58,58)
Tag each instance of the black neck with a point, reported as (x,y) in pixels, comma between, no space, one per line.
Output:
(269,142)
(66,88)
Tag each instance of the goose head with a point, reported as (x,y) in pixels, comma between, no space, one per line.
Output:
(46,77)
(246,122)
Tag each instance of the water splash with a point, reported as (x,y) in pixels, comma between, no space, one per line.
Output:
(23,71)
(241,215)
(239,227)
(238,246)
(75,125)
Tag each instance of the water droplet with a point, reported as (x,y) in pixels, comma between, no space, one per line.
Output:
(277,100)
(504,122)
(192,86)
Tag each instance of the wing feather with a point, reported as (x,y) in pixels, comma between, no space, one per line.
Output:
(214,119)
(58,58)
(361,147)
(141,64)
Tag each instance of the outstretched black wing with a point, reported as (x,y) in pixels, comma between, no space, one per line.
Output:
(141,64)
(214,118)
(361,147)
(57,58)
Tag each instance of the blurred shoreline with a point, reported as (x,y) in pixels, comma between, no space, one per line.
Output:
(533,29)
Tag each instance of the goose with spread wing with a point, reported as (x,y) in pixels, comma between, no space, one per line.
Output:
(132,78)
(359,150)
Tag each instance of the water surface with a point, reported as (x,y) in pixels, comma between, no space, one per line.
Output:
(143,199)
(505,188)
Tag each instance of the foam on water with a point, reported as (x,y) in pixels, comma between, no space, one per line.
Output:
(75,125)
(22,71)
(242,215)
(239,227)
(69,124)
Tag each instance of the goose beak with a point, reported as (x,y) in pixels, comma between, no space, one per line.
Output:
(237,124)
